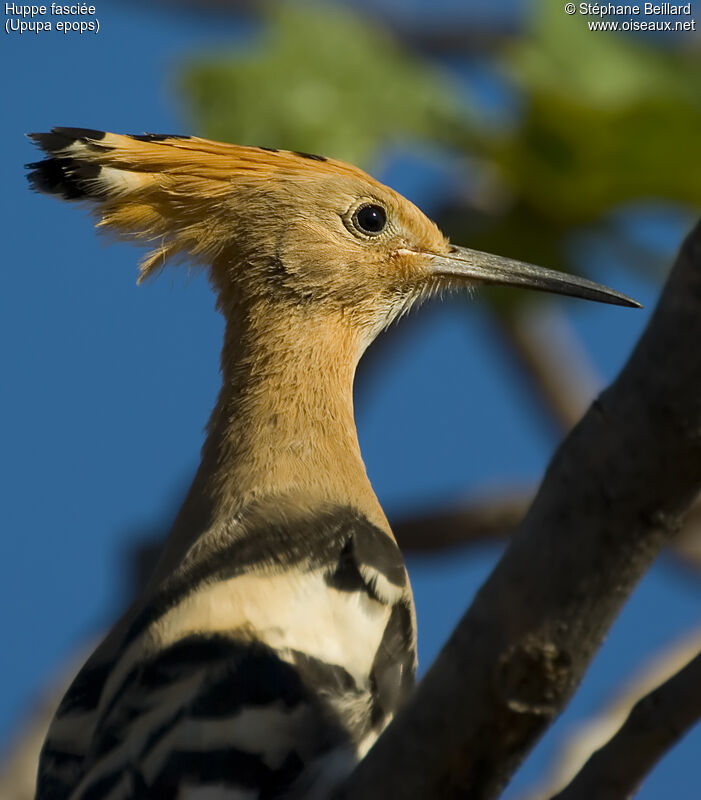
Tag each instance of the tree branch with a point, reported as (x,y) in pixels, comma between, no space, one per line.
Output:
(552,359)
(483,520)
(591,734)
(496,518)
(656,723)
(612,497)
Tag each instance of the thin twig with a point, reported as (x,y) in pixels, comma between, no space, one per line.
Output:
(656,723)
(591,734)
(482,520)
(552,359)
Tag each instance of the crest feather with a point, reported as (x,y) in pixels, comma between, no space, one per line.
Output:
(168,189)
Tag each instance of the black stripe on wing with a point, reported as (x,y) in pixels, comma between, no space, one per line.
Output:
(328,539)
(84,693)
(226,768)
(394,667)
(237,677)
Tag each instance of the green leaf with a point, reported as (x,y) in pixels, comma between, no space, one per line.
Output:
(607,119)
(321,79)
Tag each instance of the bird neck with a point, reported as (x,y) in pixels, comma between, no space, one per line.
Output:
(283,423)
(284,418)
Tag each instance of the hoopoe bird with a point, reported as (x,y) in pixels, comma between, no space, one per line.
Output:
(276,638)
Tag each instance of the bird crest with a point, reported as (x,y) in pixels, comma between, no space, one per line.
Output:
(175,191)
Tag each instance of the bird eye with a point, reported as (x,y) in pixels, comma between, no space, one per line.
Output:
(370,219)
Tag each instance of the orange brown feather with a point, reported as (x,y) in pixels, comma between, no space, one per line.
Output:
(174,191)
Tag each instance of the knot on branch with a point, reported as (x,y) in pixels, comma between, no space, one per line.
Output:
(532,676)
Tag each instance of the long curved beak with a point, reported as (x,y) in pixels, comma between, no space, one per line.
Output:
(474,265)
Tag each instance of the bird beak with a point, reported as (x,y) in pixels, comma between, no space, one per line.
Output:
(473,265)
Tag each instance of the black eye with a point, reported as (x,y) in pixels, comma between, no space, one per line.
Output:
(370,219)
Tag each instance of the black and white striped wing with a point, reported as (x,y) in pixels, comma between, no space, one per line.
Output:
(265,669)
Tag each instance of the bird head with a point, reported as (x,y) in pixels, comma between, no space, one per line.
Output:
(281,226)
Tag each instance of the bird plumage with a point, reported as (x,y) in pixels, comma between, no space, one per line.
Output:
(273,661)
(276,638)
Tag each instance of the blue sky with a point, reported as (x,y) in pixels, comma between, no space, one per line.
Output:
(106,389)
